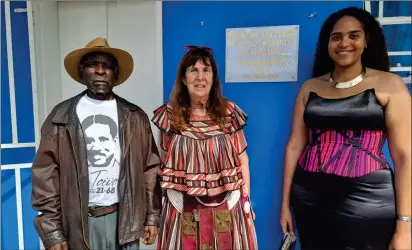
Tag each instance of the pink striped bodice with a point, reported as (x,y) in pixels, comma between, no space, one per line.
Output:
(350,153)
(346,135)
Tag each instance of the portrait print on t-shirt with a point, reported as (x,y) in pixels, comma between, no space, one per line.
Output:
(102,140)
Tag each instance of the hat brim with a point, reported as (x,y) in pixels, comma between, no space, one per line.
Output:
(124,59)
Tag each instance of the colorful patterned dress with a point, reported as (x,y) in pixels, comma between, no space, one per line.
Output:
(201,179)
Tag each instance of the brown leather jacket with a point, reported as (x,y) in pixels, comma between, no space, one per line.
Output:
(61,180)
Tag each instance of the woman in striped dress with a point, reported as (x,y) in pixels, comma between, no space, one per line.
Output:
(205,177)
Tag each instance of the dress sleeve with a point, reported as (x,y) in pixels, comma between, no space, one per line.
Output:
(165,140)
(238,119)
(161,119)
(239,140)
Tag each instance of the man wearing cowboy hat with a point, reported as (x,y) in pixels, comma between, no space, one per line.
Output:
(95,172)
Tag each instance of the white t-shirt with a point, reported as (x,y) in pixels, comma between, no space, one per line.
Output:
(99,122)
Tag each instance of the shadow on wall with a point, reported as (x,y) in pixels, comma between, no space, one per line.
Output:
(268,105)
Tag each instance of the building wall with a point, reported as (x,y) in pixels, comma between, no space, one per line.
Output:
(33,80)
(19,127)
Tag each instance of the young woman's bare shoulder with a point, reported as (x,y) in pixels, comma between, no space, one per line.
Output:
(388,83)
(313,85)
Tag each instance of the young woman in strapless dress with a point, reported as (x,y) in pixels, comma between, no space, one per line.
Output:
(342,191)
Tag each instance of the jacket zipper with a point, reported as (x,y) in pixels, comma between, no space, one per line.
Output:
(80,198)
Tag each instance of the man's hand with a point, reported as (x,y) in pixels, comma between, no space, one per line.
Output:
(60,246)
(149,235)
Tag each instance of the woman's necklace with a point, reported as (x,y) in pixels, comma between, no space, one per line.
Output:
(198,106)
(347,84)
(198,109)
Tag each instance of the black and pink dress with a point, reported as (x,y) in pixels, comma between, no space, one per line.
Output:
(343,194)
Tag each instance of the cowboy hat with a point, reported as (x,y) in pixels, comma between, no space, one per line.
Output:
(125,60)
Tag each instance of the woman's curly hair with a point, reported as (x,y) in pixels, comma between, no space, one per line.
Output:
(375,56)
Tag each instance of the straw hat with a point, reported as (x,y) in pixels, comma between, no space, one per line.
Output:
(125,60)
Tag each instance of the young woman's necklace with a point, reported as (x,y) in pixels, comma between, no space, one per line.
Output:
(347,84)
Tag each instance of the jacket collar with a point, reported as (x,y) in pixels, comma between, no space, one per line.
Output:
(67,110)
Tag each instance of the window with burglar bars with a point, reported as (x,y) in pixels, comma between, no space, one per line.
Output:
(395,18)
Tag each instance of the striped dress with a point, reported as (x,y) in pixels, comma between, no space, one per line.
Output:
(203,162)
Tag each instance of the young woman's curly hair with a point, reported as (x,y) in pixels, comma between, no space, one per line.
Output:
(375,56)
(180,100)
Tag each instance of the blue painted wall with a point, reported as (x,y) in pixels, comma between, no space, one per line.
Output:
(6,136)
(269,105)
(25,132)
